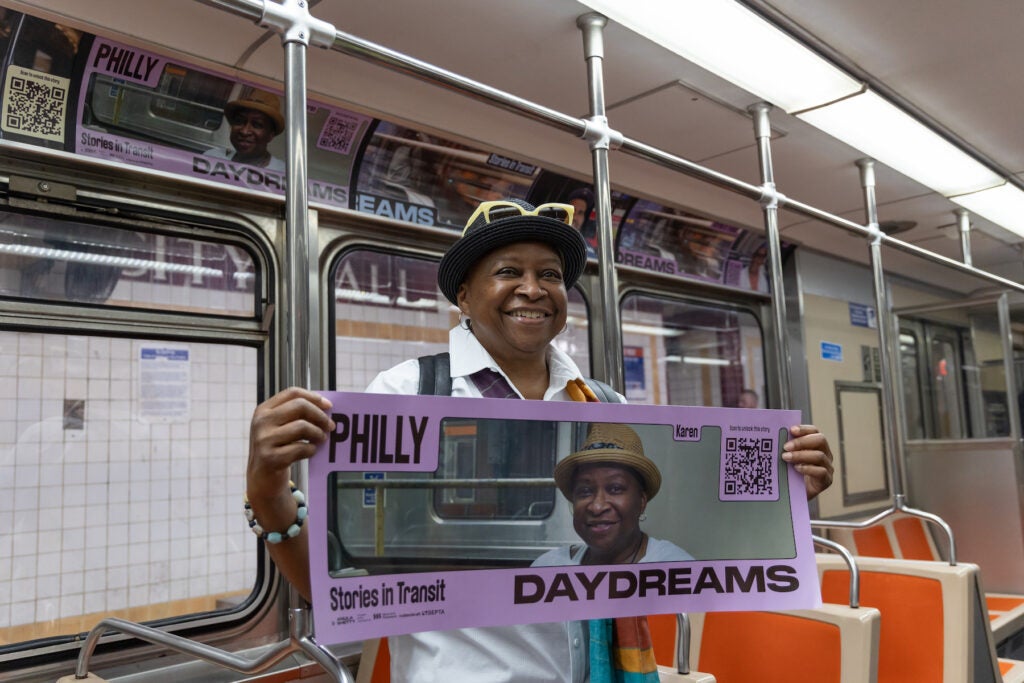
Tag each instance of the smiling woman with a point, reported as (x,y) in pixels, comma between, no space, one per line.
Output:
(509,275)
(609,482)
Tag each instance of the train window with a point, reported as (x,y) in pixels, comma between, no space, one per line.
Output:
(44,259)
(185,108)
(103,444)
(912,404)
(683,353)
(946,386)
(493,454)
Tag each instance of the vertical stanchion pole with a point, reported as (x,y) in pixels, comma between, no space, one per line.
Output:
(601,139)
(298,345)
(963,221)
(299,348)
(1006,333)
(770,209)
(888,353)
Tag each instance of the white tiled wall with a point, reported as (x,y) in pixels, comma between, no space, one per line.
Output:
(122,513)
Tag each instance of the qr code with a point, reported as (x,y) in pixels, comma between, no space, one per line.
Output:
(35,104)
(749,468)
(339,132)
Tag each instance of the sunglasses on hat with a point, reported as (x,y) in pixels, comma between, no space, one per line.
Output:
(499,209)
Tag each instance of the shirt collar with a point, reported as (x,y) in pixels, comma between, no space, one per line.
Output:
(468,356)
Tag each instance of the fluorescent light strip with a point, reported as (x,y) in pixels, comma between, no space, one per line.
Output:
(701,360)
(734,43)
(888,134)
(1003,205)
(652,330)
(106,260)
(729,40)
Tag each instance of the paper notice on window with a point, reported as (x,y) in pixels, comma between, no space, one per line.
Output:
(164,384)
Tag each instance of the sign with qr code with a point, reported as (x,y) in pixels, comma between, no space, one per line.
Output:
(133,109)
(749,468)
(562,511)
(35,103)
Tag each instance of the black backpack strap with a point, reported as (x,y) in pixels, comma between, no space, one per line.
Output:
(435,375)
(604,393)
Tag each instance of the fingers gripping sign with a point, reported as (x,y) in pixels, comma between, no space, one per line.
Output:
(808,451)
(285,428)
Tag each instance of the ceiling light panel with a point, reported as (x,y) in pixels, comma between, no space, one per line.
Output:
(729,40)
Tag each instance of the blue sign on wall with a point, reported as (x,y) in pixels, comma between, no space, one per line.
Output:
(863,316)
(830,351)
(370,495)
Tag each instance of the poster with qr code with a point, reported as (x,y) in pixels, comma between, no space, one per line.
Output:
(555,510)
(131,111)
(35,104)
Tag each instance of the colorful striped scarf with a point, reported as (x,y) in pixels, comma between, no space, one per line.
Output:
(621,650)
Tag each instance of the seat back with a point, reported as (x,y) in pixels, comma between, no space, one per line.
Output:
(933,624)
(374,662)
(898,536)
(837,644)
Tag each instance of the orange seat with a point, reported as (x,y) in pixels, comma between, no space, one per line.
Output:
(933,625)
(837,644)
(375,662)
(907,537)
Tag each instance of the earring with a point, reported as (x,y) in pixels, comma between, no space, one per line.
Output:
(643,516)
(464,322)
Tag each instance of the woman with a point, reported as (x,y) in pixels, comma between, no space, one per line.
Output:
(508,274)
(254,119)
(609,482)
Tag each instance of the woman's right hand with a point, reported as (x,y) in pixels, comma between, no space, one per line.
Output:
(286,428)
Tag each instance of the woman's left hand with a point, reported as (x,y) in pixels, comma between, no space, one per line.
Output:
(808,451)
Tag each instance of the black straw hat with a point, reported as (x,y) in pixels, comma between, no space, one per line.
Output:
(481,237)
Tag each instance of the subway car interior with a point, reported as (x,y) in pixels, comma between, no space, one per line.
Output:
(798,206)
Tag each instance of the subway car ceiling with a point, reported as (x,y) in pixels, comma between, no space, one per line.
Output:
(532,48)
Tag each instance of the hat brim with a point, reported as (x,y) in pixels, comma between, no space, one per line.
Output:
(274,115)
(464,254)
(650,475)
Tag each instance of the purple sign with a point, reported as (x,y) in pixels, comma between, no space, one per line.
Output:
(143,109)
(468,483)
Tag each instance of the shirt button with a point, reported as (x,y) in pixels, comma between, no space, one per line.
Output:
(576,642)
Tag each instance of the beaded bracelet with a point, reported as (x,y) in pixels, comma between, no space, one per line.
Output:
(278,536)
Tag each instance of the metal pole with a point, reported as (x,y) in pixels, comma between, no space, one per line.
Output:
(299,292)
(600,138)
(963,220)
(770,207)
(1006,333)
(396,61)
(887,355)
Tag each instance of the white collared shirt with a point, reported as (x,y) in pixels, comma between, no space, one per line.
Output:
(467,357)
(555,652)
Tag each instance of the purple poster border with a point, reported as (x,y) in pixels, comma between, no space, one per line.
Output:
(130,66)
(370,606)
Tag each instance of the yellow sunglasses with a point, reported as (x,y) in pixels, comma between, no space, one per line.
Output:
(497,210)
